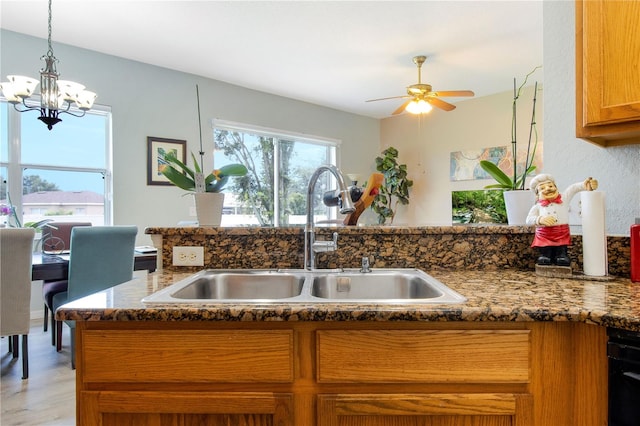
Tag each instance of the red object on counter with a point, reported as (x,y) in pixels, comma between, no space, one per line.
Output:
(635,253)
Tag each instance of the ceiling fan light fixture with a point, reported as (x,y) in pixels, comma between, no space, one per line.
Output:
(418,107)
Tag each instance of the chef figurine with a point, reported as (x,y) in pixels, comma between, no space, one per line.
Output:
(550,214)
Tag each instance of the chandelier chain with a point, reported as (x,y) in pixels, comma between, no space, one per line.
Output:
(50,51)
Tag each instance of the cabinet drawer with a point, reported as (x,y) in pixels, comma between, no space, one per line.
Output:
(240,356)
(421,356)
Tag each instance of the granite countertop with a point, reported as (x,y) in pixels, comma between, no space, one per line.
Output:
(506,295)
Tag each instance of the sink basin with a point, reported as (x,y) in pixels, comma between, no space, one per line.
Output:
(232,285)
(391,285)
(242,286)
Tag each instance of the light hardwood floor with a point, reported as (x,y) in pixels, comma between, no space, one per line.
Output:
(47,397)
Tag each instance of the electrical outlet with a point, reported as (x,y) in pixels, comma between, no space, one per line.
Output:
(188,256)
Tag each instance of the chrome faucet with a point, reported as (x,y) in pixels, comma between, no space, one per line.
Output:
(311,246)
(366,267)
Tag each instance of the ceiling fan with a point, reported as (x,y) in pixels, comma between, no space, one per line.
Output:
(421,97)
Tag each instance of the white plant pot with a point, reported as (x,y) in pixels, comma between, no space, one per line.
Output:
(37,242)
(518,203)
(209,208)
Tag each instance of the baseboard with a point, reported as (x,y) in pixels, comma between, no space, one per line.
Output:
(37,314)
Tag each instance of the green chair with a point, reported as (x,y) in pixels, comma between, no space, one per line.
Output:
(101,257)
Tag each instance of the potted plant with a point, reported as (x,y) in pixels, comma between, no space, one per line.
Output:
(396,185)
(9,210)
(516,209)
(206,189)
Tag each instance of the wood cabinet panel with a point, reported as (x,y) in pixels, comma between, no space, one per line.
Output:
(607,80)
(426,409)
(434,356)
(233,356)
(121,408)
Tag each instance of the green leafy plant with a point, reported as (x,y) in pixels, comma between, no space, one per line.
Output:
(395,188)
(478,206)
(517,180)
(184,177)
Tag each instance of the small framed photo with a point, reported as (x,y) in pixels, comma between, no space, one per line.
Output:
(157,148)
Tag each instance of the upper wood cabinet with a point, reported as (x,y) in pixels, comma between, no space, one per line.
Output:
(607,76)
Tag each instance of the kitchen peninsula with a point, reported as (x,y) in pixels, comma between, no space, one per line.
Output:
(522,350)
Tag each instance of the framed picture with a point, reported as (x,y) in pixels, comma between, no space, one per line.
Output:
(157,148)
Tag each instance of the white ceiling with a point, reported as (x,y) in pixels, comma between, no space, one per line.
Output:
(332,53)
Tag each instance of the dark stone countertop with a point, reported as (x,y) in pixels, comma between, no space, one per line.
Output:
(505,295)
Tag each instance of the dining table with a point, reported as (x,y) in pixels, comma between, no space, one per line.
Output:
(50,267)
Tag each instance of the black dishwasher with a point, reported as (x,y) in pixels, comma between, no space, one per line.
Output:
(623,350)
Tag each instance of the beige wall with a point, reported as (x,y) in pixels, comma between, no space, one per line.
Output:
(426,142)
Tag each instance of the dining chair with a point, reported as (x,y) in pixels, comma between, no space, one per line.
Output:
(56,238)
(101,257)
(16,248)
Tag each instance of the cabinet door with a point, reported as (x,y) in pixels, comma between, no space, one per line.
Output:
(124,408)
(607,78)
(423,356)
(193,356)
(425,410)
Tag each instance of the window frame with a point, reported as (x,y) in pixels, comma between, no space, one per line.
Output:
(16,168)
(278,135)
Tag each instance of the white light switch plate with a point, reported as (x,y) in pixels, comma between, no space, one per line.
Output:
(188,256)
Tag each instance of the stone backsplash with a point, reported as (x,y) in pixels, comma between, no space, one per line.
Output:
(428,248)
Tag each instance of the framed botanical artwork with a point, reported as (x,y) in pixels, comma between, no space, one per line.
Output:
(157,148)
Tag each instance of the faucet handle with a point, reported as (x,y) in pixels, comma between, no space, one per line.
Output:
(325,246)
(365,265)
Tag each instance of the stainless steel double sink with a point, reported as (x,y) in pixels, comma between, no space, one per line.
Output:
(248,286)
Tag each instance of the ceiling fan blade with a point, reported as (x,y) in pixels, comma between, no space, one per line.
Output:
(401,107)
(454,93)
(440,104)
(384,99)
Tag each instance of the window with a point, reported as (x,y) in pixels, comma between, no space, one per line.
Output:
(274,192)
(61,174)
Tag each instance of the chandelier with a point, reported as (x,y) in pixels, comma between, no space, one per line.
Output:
(56,96)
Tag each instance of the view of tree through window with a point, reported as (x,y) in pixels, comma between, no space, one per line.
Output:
(273,193)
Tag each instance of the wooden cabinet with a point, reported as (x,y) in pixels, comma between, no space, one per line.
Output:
(607,78)
(164,377)
(340,373)
(480,357)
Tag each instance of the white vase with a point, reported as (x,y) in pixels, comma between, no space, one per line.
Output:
(518,203)
(209,208)
(37,241)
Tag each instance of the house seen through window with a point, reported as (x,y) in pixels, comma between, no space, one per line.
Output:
(61,174)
